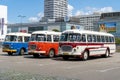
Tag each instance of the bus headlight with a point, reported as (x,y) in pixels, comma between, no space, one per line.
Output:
(59,49)
(74,50)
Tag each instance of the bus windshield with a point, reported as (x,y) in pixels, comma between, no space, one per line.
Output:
(11,38)
(38,37)
(70,37)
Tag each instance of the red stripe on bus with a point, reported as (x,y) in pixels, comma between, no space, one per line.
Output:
(82,44)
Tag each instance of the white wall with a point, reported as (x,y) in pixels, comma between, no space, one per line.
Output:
(3,21)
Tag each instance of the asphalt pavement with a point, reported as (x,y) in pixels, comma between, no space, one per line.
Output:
(28,68)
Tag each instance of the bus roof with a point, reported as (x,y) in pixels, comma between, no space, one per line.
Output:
(46,32)
(19,34)
(87,32)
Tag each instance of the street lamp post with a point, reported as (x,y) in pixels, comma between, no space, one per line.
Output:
(21,17)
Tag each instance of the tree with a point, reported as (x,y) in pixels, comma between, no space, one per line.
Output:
(117,40)
(56,30)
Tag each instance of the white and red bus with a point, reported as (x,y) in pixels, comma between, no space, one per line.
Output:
(81,43)
(44,43)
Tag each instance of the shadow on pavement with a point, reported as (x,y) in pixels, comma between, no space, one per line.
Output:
(79,59)
(5,54)
(32,57)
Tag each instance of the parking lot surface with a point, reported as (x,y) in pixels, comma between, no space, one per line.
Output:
(28,68)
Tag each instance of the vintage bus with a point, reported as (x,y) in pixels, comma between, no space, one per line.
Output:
(44,43)
(83,44)
(16,43)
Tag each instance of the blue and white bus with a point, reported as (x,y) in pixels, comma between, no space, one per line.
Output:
(16,43)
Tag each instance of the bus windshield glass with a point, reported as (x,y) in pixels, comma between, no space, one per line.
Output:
(70,37)
(11,38)
(38,37)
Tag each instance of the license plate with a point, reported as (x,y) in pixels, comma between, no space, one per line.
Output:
(31,51)
(65,53)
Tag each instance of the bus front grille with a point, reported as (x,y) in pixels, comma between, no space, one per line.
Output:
(6,46)
(33,47)
(66,48)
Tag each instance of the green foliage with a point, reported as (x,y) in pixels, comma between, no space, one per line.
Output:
(56,30)
(117,40)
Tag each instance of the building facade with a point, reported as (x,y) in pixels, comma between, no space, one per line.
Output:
(3,22)
(88,21)
(55,8)
(110,22)
(31,27)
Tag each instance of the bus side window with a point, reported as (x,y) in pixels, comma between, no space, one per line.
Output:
(94,38)
(106,38)
(78,37)
(55,38)
(89,38)
(98,39)
(49,38)
(102,38)
(26,39)
(113,40)
(20,39)
(83,38)
(110,39)
(14,39)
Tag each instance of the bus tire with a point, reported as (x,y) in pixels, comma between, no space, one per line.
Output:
(85,56)
(22,52)
(51,54)
(65,57)
(9,53)
(107,53)
(36,55)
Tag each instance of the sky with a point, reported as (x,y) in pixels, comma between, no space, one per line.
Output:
(33,10)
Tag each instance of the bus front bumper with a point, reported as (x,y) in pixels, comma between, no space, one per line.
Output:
(36,52)
(9,50)
(69,54)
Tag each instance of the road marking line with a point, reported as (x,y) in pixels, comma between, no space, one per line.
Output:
(109,69)
(47,64)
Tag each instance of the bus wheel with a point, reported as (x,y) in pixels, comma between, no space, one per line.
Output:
(107,53)
(22,52)
(36,55)
(85,56)
(65,57)
(9,53)
(51,53)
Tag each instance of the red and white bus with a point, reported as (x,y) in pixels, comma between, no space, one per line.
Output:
(44,43)
(81,43)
